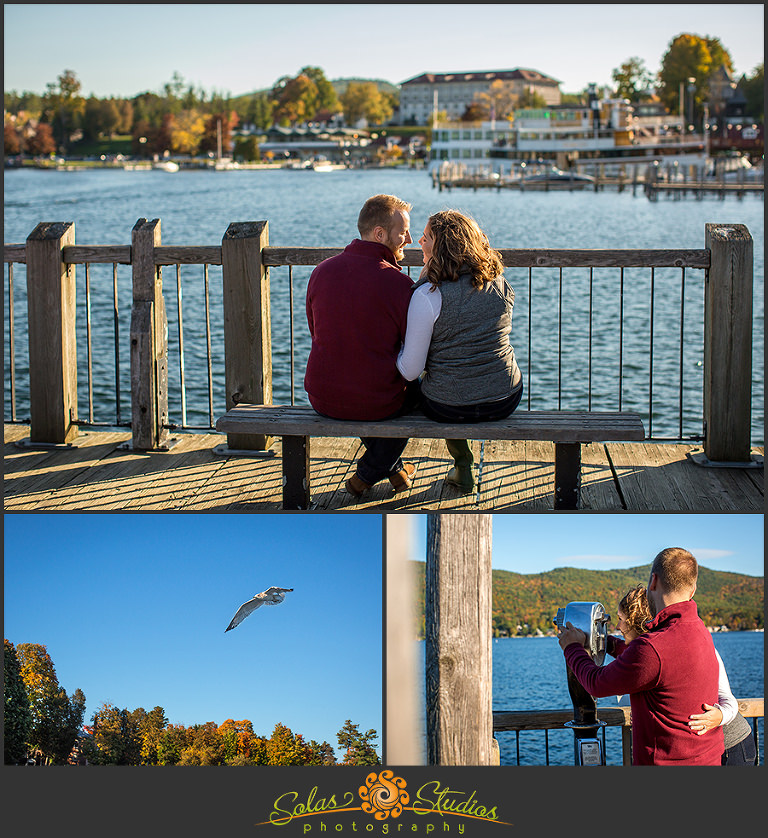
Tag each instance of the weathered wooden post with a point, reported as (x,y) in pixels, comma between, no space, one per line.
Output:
(728,345)
(149,342)
(459,676)
(404,733)
(52,345)
(247,324)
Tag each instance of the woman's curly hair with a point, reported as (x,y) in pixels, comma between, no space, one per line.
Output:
(460,245)
(635,606)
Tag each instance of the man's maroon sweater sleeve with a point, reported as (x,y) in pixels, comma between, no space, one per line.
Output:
(637,668)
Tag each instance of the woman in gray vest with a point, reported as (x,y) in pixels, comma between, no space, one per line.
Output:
(457,339)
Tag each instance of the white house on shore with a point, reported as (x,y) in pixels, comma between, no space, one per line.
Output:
(454,92)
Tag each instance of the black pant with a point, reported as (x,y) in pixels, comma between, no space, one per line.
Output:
(382,455)
(485,412)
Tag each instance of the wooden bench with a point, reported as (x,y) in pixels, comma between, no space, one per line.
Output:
(567,429)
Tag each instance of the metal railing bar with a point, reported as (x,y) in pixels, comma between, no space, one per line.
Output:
(290,327)
(650,362)
(530,356)
(182,381)
(89,354)
(682,344)
(211,417)
(589,363)
(560,342)
(116,322)
(11,343)
(621,335)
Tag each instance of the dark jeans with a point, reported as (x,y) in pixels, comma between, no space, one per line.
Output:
(742,753)
(382,455)
(486,412)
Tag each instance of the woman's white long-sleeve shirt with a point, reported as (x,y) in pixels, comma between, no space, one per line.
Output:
(726,701)
(423,310)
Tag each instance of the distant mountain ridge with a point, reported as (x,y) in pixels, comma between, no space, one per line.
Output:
(527,603)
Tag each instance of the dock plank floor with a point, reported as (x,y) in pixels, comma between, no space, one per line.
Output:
(100,474)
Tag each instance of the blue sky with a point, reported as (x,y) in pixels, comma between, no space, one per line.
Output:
(238,48)
(133,611)
(537,543)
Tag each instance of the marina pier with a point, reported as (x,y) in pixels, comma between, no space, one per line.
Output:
(696,457)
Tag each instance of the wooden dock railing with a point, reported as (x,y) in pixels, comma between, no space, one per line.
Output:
(245,257)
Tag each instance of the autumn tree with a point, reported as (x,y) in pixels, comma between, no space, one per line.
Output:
(632,79)
(41,143)
(172,742)
(320,754)
(295,100)
(218,122)
(327,100)
(358,747)
(56,717)
(63,106)
(364,100)
(238,739)
(286,748)
(258,110)
(247,149)
(186,131)
(151,730)
(206,746)
(17,718)
(12,141)
(753,88)
(690,57)
(500,99)
(475,112)
(109,735)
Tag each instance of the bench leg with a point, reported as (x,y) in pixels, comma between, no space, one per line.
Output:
(567,475)
(296,494)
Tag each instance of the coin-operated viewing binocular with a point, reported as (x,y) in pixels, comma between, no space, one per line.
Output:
(591,618)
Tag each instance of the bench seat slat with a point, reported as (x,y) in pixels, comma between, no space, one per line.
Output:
(555,426)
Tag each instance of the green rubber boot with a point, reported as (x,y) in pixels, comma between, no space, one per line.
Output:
(462,474)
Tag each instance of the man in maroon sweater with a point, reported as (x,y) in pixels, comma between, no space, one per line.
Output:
(357,310)
(667,672)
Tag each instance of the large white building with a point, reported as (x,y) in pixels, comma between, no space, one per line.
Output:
(456,91)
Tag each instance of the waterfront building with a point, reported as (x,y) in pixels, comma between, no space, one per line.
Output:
(455,92)
(604,132)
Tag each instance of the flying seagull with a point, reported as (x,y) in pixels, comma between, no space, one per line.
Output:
(272,596)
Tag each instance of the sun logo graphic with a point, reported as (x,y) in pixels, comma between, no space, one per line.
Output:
(383,795)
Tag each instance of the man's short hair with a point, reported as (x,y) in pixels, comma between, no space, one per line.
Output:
(676,569)
(379,211)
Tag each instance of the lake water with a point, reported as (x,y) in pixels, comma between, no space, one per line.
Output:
(530,674)
(320,209)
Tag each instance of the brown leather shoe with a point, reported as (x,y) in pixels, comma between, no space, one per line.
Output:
(355,486)
(403,480)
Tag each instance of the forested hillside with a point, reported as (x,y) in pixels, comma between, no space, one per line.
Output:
(527,603)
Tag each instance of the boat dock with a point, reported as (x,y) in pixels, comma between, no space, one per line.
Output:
(100,472)
(640,182)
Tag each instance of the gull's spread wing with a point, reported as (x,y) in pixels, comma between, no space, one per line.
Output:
(244,610)
(272,596)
